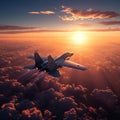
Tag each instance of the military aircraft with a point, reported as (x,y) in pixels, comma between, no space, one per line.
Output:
(51,65)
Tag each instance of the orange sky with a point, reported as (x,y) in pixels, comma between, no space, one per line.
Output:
(63,36)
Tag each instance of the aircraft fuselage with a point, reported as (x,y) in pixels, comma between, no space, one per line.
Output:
(58,61)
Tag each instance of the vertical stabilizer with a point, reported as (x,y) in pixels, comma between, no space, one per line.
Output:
(51,63)
(38,60)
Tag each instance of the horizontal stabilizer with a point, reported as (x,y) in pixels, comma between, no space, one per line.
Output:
(29,67)
(54,73)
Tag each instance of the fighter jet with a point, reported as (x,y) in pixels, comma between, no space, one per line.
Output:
(51,65)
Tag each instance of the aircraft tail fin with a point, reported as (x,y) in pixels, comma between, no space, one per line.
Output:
(51,63)
(38,60)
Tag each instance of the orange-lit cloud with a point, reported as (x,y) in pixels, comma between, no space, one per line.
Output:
(104,30)
(42,12)
(110,23)
(84,25)
(9,27)
(66,18)
(76,14)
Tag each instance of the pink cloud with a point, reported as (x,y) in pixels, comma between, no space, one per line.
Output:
(42,12)
(104,30)
(66,18)
(9,27)
(76,14)
(84,25)
(110,22)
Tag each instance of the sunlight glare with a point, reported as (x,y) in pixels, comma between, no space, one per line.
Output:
(79,37)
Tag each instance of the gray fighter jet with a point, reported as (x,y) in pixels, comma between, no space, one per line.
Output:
(51,65)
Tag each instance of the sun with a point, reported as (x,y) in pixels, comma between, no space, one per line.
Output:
(79,37)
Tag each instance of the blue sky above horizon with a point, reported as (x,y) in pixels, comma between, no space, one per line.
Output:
(59,14)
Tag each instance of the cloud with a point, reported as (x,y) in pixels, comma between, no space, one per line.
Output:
(25,104)
(35,96)
(110,22)
(66,18)
(9,27)
(103,30)
(78,91)
(70,115)
(76,14)
(42,12)
(105,97)
(32,114)
(56,100)
(84,25)
(66,103)
(47,115)
(8,112)
(33,31)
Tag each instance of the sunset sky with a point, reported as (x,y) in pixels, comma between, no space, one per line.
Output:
(26,16)
(89,29)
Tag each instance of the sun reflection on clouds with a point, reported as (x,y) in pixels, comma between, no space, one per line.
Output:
(79,37)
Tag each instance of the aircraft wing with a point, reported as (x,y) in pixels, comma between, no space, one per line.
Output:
(33,58)
(74,65)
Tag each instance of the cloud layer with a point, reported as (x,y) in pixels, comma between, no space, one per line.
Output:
(31,95)
(47,99)
(76,14)
(110,22)
(9,27)
(42,12)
